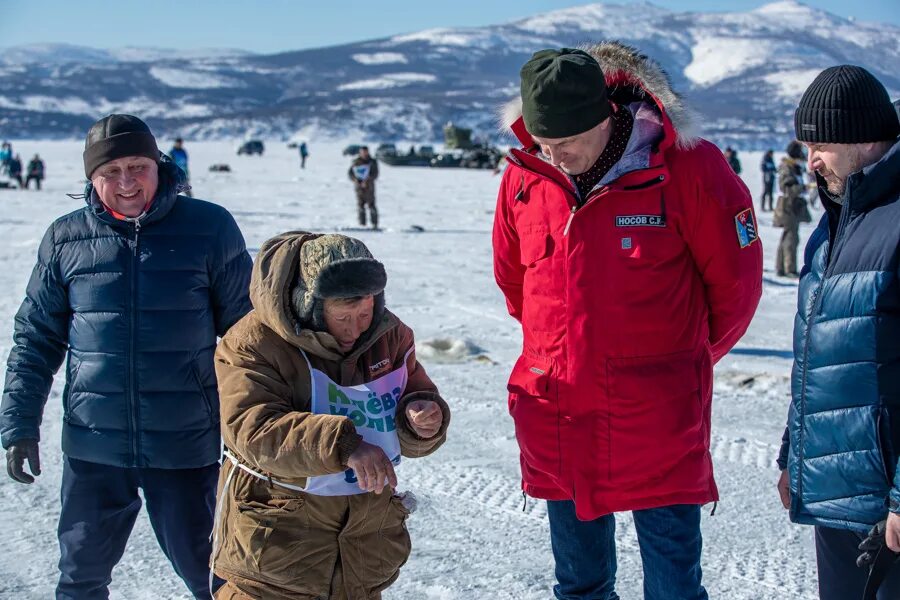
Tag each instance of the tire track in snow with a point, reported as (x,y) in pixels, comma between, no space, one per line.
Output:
(495,492)
(751,453)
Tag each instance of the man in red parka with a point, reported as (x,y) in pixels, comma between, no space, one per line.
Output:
(629,252)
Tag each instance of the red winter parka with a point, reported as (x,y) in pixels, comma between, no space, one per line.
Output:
(626,303)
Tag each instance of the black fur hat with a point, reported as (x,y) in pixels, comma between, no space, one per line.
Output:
(335,266)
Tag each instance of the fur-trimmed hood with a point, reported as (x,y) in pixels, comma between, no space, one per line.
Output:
(630,77)
(280,285)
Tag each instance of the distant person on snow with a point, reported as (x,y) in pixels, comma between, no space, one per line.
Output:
(5,157)
(363,173)
(131,291)
(14,165)
(304,154)
(768,168)
(733,161)
(840,451)
(321,394)
(180,157)
(791,209)
(35,172)
(629,252)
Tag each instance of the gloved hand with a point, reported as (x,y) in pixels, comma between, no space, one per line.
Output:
(871,545)
(15,460)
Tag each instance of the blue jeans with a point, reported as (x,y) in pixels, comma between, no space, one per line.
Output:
(99,506)
(585,553)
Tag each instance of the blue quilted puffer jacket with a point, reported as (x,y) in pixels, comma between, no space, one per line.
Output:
(844,419)
(137,306)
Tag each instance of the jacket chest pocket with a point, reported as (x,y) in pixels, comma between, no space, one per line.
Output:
(645,265)
(645,247)
(642,229)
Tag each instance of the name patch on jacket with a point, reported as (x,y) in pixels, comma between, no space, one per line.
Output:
(746,227)
(641,221)
(379,366)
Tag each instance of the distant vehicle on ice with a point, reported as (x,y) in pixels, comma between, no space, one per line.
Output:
(388,154)
(251,147)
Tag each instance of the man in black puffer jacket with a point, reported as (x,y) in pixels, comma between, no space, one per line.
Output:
(134,288)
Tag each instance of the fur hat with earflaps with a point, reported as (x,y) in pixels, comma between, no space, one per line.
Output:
(335,266)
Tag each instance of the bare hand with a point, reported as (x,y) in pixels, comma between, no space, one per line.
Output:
(425,417)
(373,468)
(892,532)
(784,489)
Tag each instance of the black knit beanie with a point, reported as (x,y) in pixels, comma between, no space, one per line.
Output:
(563,93)
(845,105)
(117,136)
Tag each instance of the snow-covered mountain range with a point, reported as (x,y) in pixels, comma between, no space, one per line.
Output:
(742,72)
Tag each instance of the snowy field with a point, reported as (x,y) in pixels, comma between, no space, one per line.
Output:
(471,538)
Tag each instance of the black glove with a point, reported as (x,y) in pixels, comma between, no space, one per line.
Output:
(15,460)
(871,545)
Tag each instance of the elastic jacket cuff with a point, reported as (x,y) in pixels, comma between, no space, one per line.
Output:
(347,444)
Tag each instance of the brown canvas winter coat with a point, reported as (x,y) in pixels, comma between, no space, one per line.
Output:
(791,208)
(275,542)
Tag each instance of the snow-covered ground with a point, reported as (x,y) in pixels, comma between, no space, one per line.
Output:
(471,538)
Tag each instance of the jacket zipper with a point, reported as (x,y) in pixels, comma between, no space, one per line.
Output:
(814,312)
(592,196)
(135,262)
(575,208)
(845,217)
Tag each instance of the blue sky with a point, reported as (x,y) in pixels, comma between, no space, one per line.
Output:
(278,25)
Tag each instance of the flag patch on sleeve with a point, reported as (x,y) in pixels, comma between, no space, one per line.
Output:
(746,227)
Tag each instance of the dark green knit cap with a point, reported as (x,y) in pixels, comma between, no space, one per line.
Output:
(563,93)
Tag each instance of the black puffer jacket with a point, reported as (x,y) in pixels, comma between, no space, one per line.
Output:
(138,305)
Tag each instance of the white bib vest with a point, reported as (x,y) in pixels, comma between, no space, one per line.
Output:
(361,172)
(372,407)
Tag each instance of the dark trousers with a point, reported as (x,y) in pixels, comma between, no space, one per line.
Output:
(768,190)
(839,577)
(365,197)
(99,506)
(585,553)
(35,179)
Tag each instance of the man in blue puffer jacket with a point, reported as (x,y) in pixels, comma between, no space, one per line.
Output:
(842,443)
(134,288)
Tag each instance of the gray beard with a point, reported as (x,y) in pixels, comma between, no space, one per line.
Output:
(836,190)
(836,198)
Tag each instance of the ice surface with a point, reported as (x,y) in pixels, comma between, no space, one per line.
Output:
(471,538)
